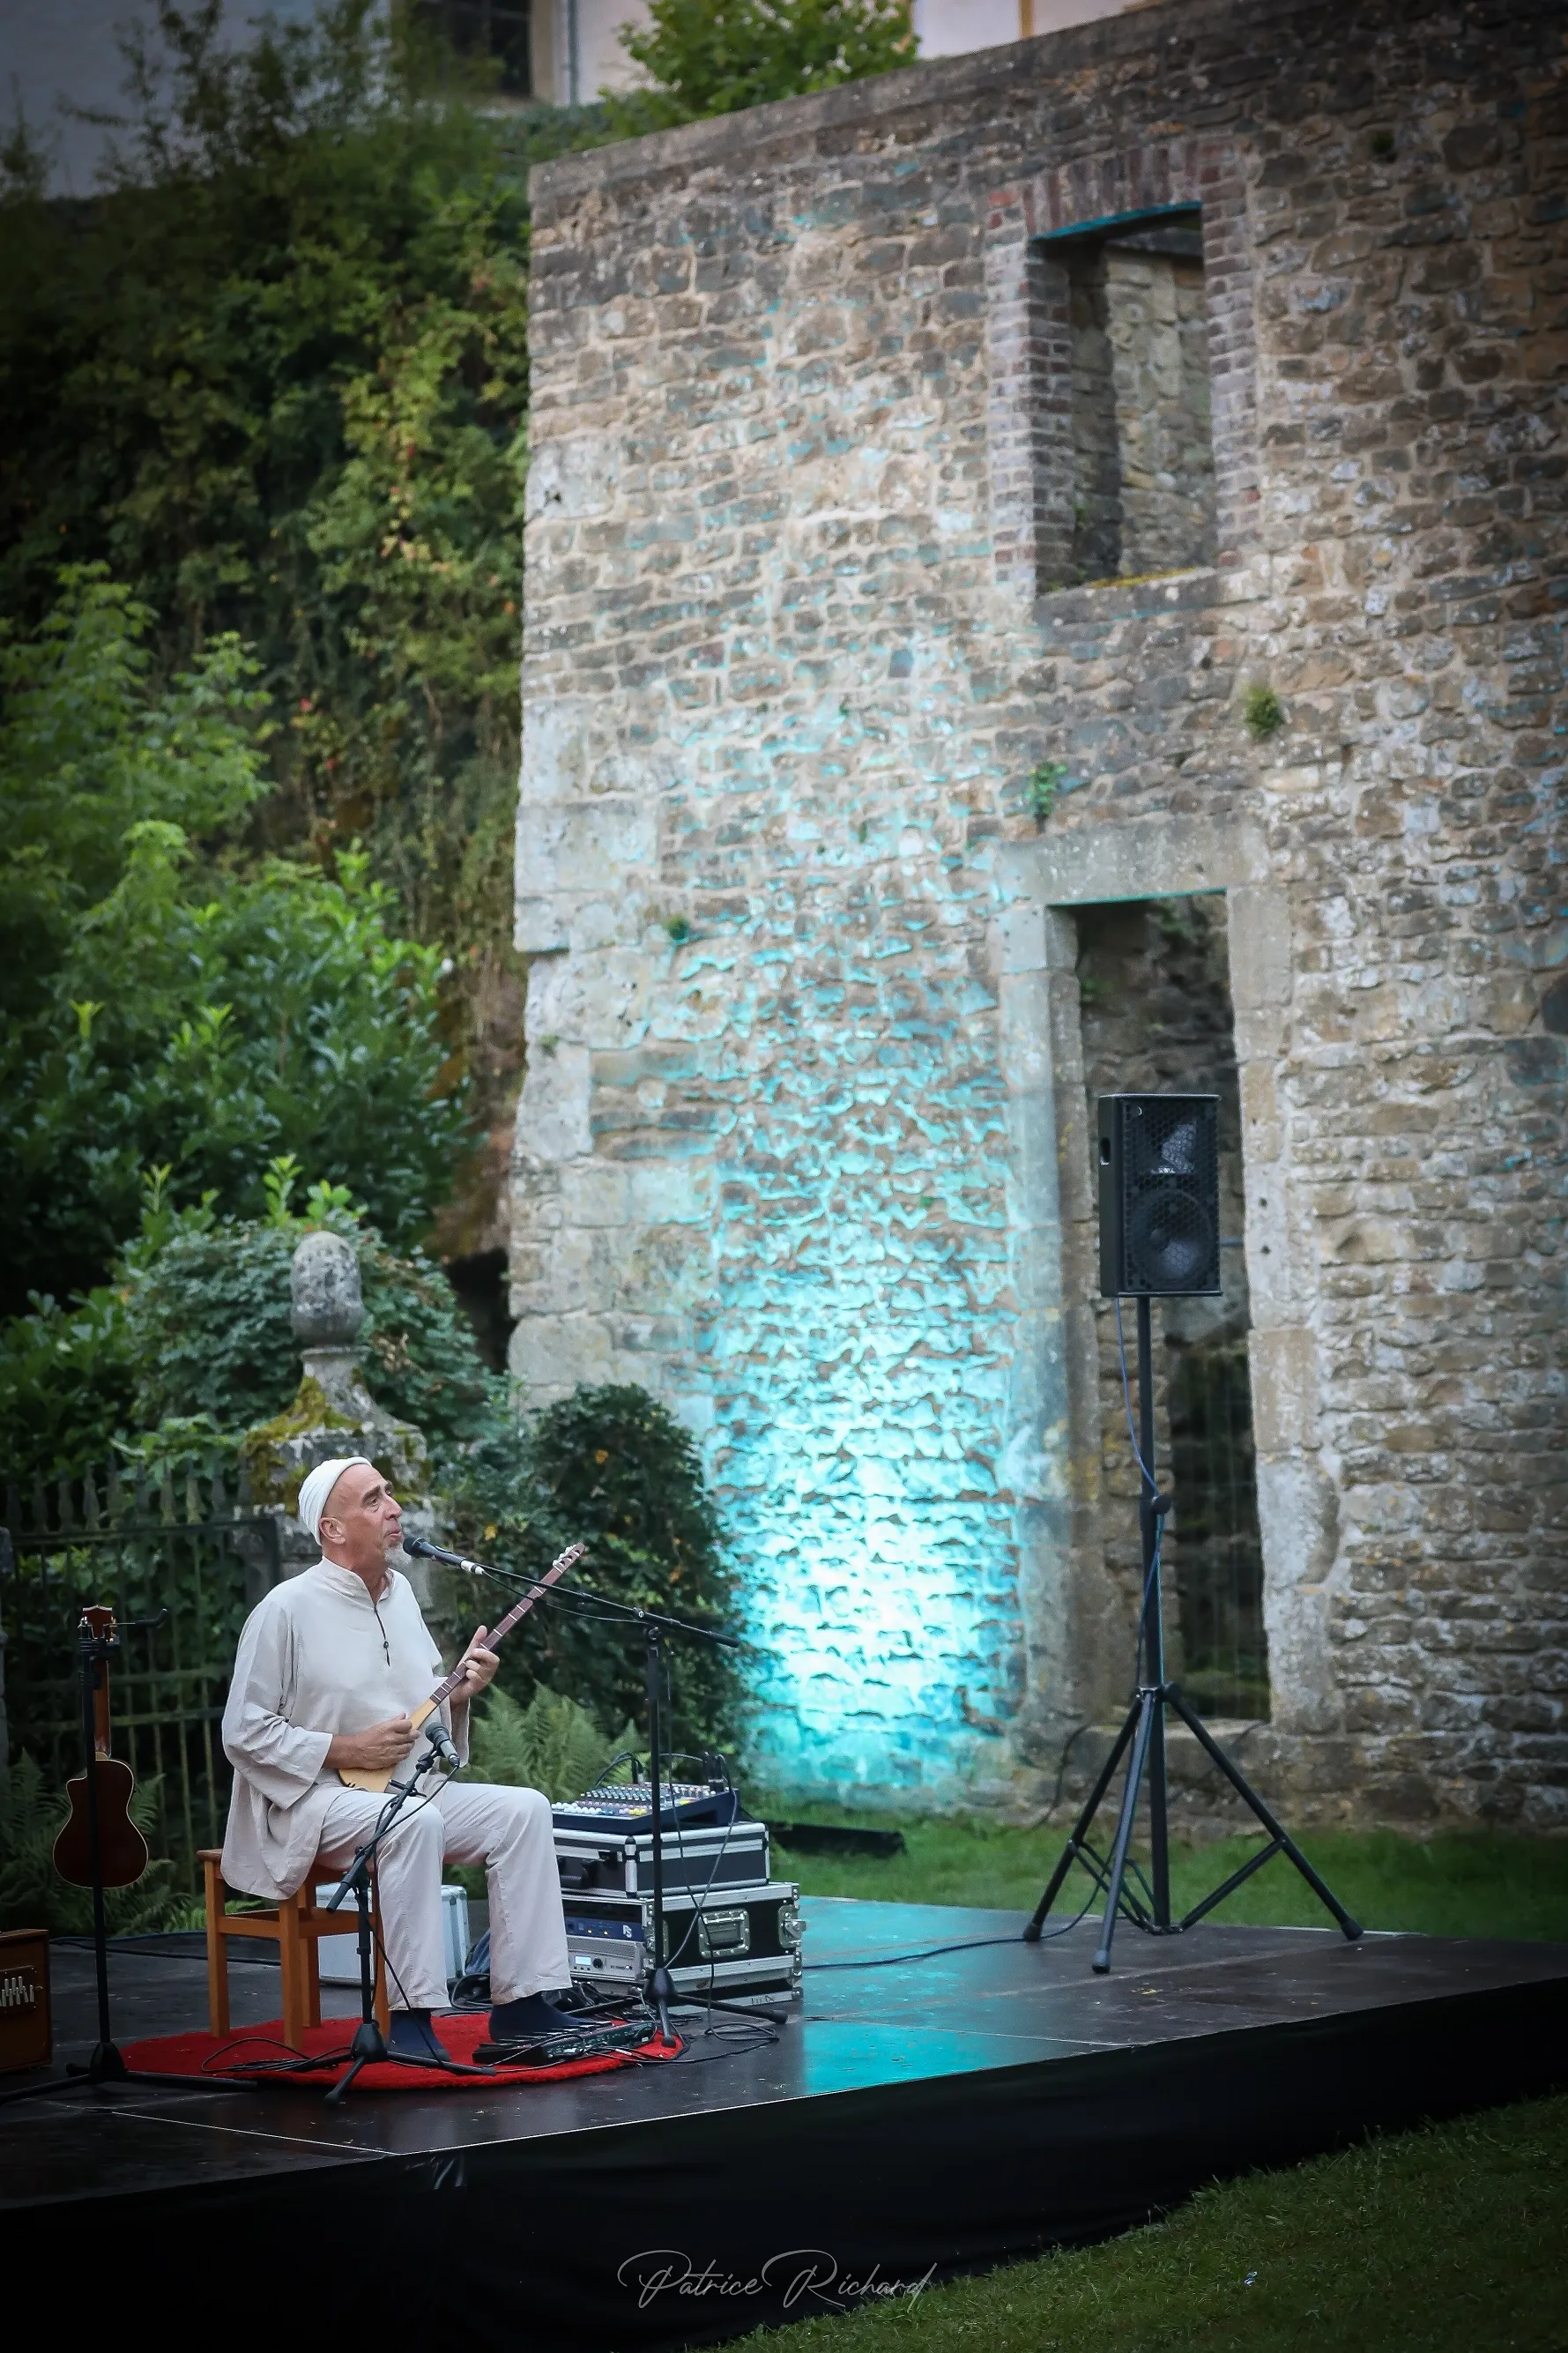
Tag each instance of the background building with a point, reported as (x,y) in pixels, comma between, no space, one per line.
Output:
(574,51)
(1044,573)
(60,66)
(63,65)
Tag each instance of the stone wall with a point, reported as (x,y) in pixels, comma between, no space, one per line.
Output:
(802,1140)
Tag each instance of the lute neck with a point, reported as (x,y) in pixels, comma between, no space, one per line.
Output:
(520,1608)
(100,1627)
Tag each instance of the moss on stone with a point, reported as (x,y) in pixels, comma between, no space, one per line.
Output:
(273,1479)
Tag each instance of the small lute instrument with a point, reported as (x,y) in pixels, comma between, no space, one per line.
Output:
(375,1780)
(121,1849)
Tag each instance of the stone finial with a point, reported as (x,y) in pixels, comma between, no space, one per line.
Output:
(327,1306)
(332,1411)
(327,1311)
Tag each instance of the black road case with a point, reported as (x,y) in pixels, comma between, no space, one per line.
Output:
(610,1861)
(727,1945)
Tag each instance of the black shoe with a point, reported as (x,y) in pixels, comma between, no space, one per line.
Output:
(530,2019)
(411,2035)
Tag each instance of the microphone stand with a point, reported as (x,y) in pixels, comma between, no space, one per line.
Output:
(369,2045)
(660,1986)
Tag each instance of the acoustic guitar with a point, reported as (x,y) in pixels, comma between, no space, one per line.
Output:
(376,1779)
(121,1849)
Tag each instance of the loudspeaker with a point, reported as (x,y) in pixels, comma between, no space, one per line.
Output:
(1159,1195)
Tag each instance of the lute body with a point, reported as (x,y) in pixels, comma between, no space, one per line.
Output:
(123,1850)
(378,1780)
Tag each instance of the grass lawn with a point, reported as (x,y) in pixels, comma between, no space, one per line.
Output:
(1469,1885)
(1449,2241)
(1452,2240)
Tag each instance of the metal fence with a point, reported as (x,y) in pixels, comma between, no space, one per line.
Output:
(188,1554)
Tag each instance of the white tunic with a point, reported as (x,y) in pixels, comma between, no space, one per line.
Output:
(318,1656)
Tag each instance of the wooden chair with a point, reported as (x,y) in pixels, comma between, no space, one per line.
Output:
(298,1924)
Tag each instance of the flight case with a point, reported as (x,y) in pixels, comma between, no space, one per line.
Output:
(603,1841)
(610,1862)
(734,1944)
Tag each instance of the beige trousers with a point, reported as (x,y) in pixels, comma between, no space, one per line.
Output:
(509,1830)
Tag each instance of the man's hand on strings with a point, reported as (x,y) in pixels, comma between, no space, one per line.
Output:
(479,1666)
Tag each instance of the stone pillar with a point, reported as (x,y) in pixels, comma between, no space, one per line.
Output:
(333,1412)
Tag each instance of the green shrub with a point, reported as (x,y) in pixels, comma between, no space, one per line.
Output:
(192,1344)
(210,1320)
(612,1465)
(1262,712)
(68,1379)
(551,1745)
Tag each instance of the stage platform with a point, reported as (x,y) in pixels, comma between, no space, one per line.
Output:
(915,2120)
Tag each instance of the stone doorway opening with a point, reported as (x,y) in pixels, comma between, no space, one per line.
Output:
(1156,1016)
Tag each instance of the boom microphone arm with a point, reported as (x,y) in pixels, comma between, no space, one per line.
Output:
(421,1549)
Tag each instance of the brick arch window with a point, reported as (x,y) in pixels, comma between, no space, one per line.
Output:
(1130,486)
(1122,358)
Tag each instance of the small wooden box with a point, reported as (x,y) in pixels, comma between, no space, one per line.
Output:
(26,2038)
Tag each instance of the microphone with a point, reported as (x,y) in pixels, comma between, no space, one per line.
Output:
(441,1746)
(419,1548)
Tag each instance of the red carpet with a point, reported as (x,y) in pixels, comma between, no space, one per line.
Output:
(461,2033)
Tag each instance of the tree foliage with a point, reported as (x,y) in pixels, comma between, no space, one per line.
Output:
(164,1005)
(275,377)
(715,57)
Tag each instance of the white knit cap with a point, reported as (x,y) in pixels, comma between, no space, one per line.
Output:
(315,1491)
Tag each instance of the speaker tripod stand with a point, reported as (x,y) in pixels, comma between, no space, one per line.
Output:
(1144,1732)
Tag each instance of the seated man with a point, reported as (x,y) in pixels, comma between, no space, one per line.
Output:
(329,1666)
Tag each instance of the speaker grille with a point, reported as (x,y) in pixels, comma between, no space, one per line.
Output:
(1160,1194)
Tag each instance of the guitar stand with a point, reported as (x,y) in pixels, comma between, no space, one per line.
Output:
(106,2063)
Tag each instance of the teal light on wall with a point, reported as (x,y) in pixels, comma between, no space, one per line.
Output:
(859,1366)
